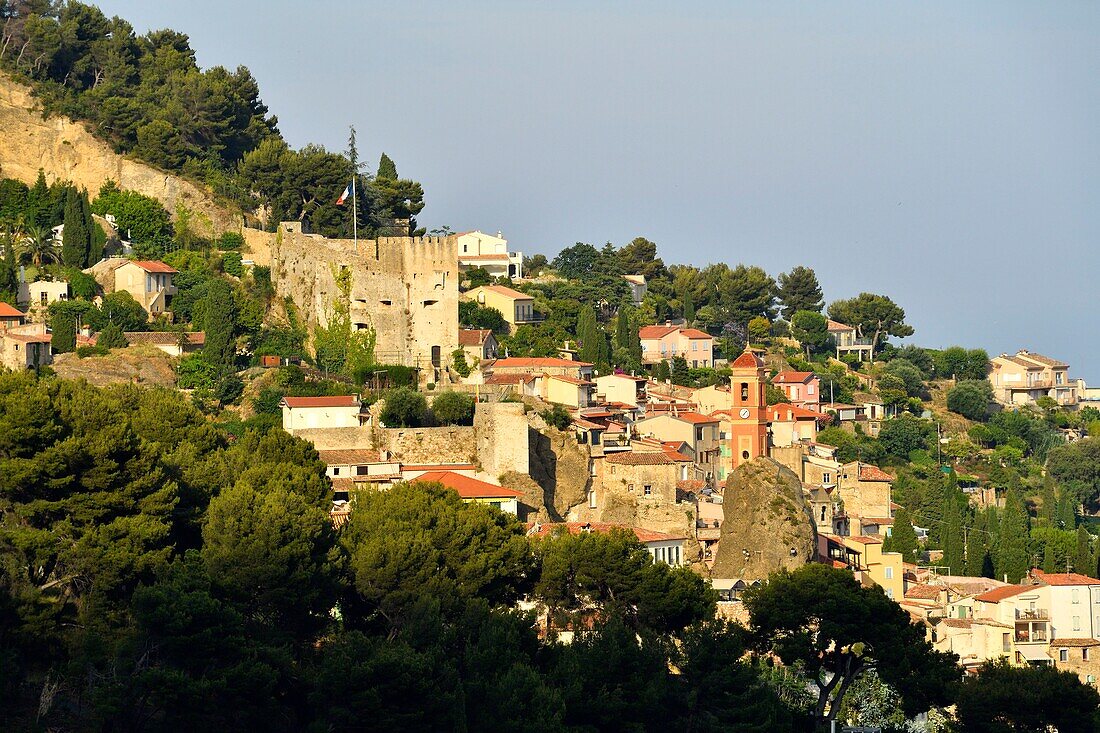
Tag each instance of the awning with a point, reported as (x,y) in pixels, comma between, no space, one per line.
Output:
(1033,653)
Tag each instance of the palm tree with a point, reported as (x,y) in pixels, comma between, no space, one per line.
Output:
(39,246)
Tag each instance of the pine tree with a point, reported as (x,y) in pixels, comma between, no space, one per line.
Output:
(903,538)
(111,337)
(1012,539)
(1083,561)
(75,239)
(799,290)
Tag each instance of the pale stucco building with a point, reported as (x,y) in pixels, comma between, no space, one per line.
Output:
(478,249)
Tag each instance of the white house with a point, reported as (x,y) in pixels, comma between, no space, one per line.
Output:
(305,413)
(478,249)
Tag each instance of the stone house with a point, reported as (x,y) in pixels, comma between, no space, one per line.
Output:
(38,295)
(648,477)
(25,347)
(11,316)
(311,413)
(478,249)
(802,388)
(168,342)
(662,547)
(790,424)
(479,345)
(150,282)
(516,307)
(1024,377)
(865,491)
(661,343)
(355,469)
(700,433)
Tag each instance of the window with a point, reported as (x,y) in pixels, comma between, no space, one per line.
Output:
(826,477)
(1063,655)
(592,499)
(694,345)
(1076,623)
(336,471)
(822,512)
(744,391)
(745,455)
(1075,595)
(1006,642)
(889,573)
(809,389)
(45,298)
(647,490)
(1085,654)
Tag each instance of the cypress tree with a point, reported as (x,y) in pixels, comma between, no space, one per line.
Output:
(1066,512)
(111,337)
(588,333)
(63,326)
(38,210)
(387,169)
(1012,539)
(953,547)
(622,329)
(9,277)
(903,538)
(97,239)
(976,553)
(1049,502)
(689,307)
(75,238)
(1083,561)
(1049,565)
(220,323)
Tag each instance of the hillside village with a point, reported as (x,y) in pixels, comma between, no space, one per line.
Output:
(726,423)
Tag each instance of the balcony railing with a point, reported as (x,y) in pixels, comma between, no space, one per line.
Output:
(1036,635)
(1032,614)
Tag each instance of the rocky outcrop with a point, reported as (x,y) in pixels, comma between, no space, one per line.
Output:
(66,150)
(767,524)
(562,467)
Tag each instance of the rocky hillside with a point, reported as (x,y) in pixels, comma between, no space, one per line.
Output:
(66,150)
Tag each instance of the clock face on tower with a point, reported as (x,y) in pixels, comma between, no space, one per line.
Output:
(744,413)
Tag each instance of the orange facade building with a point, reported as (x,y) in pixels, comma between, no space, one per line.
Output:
(749,416)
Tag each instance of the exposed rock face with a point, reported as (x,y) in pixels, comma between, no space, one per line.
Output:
(765,517)
(143,365)
(66,150)
(561,466)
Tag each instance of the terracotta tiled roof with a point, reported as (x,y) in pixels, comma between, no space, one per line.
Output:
(999,594)
(350,457)
(1063,578)
(695,418)
(467,487)
(1045,360)
(695,333)
(873,473)
(507,292)
(198,338)
(865,540)
(569,380)
(691,484)
(155,266)
(1074,642)
(778,413)
(472,336)
(956,623)
(537,362)
(747,360)
(792,377)
(655,332)
(927,592)
(333,401)
(7,311)
(510,378)
(838,326)
(639,458)
(439,467)
(29,338)
(643,535)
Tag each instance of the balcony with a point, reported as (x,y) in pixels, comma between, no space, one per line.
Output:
(1035,634)
(1030,614)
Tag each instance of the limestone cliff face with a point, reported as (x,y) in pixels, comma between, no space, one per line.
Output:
(66,150)
(561,467)
(765,517)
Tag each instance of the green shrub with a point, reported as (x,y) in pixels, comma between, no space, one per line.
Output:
(231,263)
(404,408)
(85,351)
(230,241)
(195,373)
(453,408)
(557,416)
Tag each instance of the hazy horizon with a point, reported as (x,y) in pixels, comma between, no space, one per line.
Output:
(944,155)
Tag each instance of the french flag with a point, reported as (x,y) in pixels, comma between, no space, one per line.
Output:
(344,196)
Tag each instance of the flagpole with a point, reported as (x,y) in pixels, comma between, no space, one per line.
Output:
(354,216)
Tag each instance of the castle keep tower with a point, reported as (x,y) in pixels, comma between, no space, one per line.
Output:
(749,437)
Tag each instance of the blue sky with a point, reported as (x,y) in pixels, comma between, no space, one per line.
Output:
(945,154)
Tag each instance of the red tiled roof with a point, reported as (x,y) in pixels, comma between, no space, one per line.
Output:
(999,594)
(792,377)
(865,540)
(439,467)
(695,333)
(1063,578)
(778,413)
(1074,642)
(508,292)
(569,380)
(467,487)
(643,535)
(747,360)
(333,401)
(695,418)
(640,458)
(874,473)
(7,311)
(655,332)
(472,336)
(838,326)
(922,591)
(509,378)
(540,362)
(691,484)
(155,266)
(33,338)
